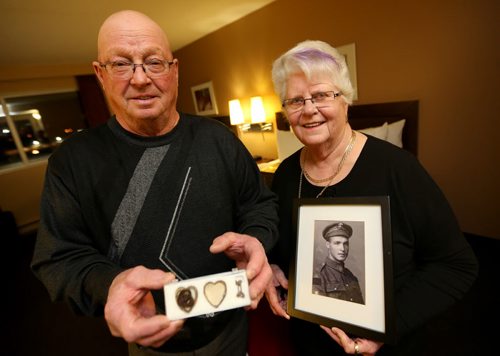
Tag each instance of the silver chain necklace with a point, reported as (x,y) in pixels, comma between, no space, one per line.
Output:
(348,150)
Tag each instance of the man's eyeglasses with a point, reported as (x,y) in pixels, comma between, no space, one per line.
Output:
(153,68)
(322,97)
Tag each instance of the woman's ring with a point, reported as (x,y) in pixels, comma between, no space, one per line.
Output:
(356,348)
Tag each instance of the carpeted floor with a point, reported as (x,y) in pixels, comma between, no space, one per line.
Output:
(36,326)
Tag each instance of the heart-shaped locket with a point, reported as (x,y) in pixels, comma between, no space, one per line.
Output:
(215,292)
(186,298)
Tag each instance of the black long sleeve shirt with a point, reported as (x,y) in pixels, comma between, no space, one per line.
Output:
(433,265)
(114,200)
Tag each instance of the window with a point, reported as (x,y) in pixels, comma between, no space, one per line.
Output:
(32,127)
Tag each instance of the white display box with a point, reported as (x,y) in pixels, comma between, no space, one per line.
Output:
(206,295)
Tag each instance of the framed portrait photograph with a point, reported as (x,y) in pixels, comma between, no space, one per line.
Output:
(341,266)
(204,99)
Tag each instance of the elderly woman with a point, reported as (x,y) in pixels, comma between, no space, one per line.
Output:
(433,264)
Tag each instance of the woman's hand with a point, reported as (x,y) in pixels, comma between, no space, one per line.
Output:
(353,346)
(274,292)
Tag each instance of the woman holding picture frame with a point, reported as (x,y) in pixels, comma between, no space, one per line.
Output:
(433,265)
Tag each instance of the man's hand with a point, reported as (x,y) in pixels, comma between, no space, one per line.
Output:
(249,254)
(130,309)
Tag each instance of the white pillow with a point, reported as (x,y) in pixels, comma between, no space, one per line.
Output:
(395,133)
(380,132)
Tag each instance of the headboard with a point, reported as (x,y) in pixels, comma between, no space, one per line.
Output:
(372,115)
(361,117)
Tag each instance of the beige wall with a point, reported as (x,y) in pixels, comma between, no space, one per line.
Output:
(21,185)
(443,53)
(20,191)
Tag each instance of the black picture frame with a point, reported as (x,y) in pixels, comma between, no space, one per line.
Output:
(369,259)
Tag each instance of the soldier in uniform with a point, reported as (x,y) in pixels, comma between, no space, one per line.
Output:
(335,280)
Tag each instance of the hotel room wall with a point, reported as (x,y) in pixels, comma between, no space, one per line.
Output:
(444,54)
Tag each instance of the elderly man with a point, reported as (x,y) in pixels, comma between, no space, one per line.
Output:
(150,196)
(335,279)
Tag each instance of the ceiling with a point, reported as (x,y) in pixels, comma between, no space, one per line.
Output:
(48,32)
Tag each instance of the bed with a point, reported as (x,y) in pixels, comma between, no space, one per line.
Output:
(371,118)
(400,116)
(396,122)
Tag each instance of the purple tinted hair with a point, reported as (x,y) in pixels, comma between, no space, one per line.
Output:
(312,58)
(309,54)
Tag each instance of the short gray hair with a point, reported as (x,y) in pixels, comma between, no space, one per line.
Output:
(311,58)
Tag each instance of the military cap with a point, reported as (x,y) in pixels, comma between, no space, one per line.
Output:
(337,229)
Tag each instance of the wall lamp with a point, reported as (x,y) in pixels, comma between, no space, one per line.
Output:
(257,116)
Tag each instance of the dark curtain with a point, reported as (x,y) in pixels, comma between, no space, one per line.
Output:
(93,102)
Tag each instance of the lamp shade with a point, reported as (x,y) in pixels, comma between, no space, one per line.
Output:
(235,112)
(258,114)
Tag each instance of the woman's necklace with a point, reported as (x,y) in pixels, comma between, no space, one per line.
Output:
(330,179)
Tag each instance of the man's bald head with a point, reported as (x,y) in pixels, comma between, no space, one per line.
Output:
(141,94)
(132,24)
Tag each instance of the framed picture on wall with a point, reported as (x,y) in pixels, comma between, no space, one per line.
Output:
(204,99)
(349,53)
(341,271)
